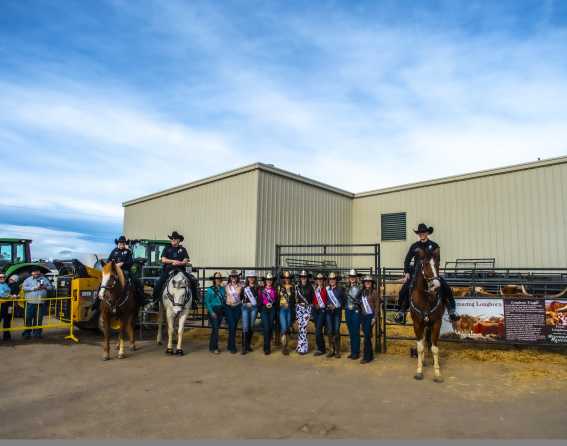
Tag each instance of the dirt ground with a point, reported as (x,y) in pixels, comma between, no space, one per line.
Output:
(54,389)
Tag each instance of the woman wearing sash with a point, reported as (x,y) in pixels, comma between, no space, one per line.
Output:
(319,313)
(335,304)
(353,314)
(249,310)
(303,298)
(368,310)
(266,306)
(233,291)
(285,306)
(215,301)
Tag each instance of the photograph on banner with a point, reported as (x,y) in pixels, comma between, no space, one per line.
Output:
(481,319)
(556,321)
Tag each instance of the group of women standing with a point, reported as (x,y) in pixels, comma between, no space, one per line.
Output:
(323,302)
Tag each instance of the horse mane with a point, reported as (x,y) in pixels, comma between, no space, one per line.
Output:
(120,275)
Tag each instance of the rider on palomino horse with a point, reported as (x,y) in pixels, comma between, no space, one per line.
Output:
(423,232)
(174,258)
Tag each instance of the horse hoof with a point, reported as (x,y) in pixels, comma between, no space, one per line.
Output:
(106,358)
(438,379)
(179,352)
(159,343)
(121,355)
(418,376)
(169,351)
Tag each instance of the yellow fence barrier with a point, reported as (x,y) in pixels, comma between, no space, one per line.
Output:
(19,314)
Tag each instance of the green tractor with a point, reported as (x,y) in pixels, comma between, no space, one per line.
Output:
(15,258)
(147,259)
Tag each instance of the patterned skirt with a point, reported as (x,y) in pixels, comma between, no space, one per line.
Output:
(303,314)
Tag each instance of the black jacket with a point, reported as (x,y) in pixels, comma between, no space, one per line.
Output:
(307,292)
(122,256)
(429,246)
(340,294)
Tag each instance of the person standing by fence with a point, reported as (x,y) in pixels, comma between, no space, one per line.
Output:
(266,306)
(233,291)
(5,307)
(368,306)
(249,310)
(319,313)
(353,315)
(36,288)
(335,305)
(285,307)
(215,301)
(304,296)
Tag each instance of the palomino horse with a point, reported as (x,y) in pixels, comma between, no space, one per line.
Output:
(427,309)
(177,300)
(118,302)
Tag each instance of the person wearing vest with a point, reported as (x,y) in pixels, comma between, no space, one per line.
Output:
(285,307)
(215,302)
(368,307)
(352,313)
(249,310)
(423,231)
(266,306)
(303,297)
(173,258)
(335,303)
(319,313)
(233,291)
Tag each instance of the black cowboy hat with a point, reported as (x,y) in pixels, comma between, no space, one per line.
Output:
(422,227)
(120,239)
(176,236)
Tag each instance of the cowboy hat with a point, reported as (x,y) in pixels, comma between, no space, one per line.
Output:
(287,275)
(217,275)
(303,274)
(368,278)
(234,273)
(120,239)
(176,236)
(269,276)
(251,273)
(333,275)
(352,273)
(422,228)
(319,276)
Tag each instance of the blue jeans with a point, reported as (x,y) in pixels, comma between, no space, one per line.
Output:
(353,324)
(334,322)
(366,321)
(215,325)
(232,316)
(267,315)
(33,316)
(319,317)
(285,320)
(249,318)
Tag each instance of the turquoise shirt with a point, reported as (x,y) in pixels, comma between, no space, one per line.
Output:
(214,297)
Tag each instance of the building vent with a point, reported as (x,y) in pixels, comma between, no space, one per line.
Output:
(393,226)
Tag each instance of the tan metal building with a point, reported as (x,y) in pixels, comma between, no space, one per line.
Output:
(517,215)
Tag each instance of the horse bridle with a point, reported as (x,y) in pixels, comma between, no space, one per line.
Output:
(170,296)
(114,308)
(426,314)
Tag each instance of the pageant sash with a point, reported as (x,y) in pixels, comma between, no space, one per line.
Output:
(250,296)
(319,298)
(365,305)
(301,296)
(333,298)
(234,297)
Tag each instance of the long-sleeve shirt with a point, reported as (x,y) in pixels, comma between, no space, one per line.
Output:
(428,246)
(214,297)
(30,286)
(304,294)
(339,294)
(322,292)
(267,296)
(123,256)
(4,291)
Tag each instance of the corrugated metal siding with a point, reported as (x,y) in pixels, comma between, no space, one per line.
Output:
(519,218)
(218,220)
(292,212)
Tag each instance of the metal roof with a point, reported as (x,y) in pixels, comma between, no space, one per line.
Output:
(296,177)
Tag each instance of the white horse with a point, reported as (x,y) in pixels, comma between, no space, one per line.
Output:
(176,299)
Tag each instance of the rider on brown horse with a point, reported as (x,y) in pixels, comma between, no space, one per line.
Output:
(429,246)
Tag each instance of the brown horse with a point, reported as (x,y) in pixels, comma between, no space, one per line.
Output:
(427,309)
(118,302)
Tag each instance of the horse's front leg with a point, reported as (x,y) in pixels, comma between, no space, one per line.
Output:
(131,332)
(106,342)
(123,324)
(180,330)
(160,323)
(435,350)
(170,321)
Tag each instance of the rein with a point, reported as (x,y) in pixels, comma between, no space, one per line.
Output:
(114,307)
(425,315)
(171,297)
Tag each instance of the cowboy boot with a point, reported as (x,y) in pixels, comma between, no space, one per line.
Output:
(283,340)
(244,349)
(331,351)
(338,346)
(249,341)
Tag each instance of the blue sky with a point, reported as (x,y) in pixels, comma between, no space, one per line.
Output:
(104,101)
